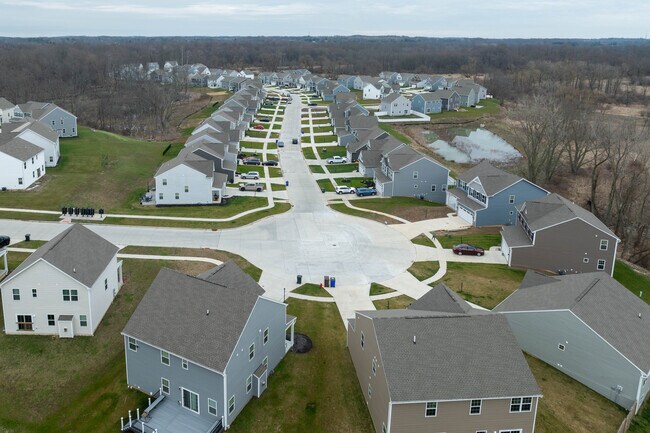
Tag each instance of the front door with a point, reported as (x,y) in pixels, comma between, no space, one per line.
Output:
(190,400)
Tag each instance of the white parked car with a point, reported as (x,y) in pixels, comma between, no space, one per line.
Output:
(337,160)
(250,175)
(345,190)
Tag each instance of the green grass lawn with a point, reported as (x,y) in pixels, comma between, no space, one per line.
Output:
(482,284)
(275,172)
(329,151)
(251,145)
(312,290)
(340,207)
(277,126)
(324,138)
(392,131)
(409,208)
(308,152)
(28,216)
(489,106)
(641,422)
(396,303)
(259,169)
(635,281)
(206,112)
(326,184)
(271,157)
(342,168)
(257,133)
(271,146)
(484,241)
(316,392)
(424,270)
(356,182)
(317,169)
(323,129)
(379,289)
(423,240)
(278,187)
(32,244)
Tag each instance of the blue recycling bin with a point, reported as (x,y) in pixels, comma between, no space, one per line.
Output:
(332,282)
(286,183)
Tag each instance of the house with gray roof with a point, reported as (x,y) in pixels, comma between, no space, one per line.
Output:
(64,288)
(62,121)
(370,155)
(37,133)
(487,195)
(7,110)
(202,348)
(405,172)
(427,103)
(22,162)
(553,234)
(450,99)
(440,366)
(395,104)
(468,96)
(589,327)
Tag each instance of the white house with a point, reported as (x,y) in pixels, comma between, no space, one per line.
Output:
(371,91)
(395,105)
(22,162)
(64,288)
(37,133)
(6,111)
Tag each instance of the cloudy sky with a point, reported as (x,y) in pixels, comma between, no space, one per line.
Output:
(470,18)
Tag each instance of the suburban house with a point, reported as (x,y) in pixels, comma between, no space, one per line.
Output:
(488,196)
(426,103)
(450,99)
(64,288)
(362,142)
(408,173)
(441,366)
(170,65)
(468,96)
(554,234)
(22,162)
(6,111)
(37,133)
(589,327)
(370,155)
(395,104)
(62,121)
(372,89)
(204,347)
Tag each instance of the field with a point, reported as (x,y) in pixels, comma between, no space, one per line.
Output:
(408,208)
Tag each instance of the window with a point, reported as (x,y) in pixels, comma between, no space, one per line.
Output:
(231,405)
(50,320)
(362,340)
(374,366)
(604,243)
(369,391)
(73,130)
(64,130)
(20,181)
(160,196)
(212,407)
(164,182)
(265,361)
(249,383)
(415,175)
(431,409)
(601,265)
(561,347)
(164,385)
(177,196)
(251,352)
(481,431)
(70,295)
(265,338)
(475,407)
(53,123)
(164,357)
(62,123)
(83,320)
(187,188)
(24,322)
(16,294)
(184,364)
(190,400)
(51,159)
(433,188)
(105,283)
(133,345)
(585,260)
(24,165)
(511,199)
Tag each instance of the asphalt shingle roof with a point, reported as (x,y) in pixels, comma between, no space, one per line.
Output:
(20,149)
(442,298)
(491,178)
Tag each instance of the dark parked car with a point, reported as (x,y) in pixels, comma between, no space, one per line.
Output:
(271,163)
(264,120)
(362,192)
(251,161)
(467,250)
(312,104)
(294,141)
(4,241)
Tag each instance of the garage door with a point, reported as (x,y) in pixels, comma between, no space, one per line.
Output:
(466,214)
(452,201)
(505,249)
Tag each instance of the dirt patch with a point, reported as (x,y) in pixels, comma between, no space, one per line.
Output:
(628,111)
(301,343)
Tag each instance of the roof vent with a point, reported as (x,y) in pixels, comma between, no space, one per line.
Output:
(639,315)
(414,342)
(74,270)
(207,312)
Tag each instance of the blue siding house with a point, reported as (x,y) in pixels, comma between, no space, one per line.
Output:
(426,103)
(488,196)
(202,348)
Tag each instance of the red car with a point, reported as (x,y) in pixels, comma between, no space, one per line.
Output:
(467,250)
(258,127)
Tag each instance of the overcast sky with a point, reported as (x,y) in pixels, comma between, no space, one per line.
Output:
(470,18)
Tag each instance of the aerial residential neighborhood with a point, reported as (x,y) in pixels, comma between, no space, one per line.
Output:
(394,224)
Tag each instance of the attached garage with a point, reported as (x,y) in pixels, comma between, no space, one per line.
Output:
(466,214)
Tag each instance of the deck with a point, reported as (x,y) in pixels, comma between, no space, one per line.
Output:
(171,417)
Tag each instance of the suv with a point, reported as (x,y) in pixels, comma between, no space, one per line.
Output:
(251,186)
(337,160)
(362,192)
(251,161)
(280,143)
(4,241)
(250,175)
(344,189)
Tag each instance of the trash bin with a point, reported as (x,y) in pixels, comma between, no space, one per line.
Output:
(27,237)
(286,183)
(327,281)
(332,282)
(299,279)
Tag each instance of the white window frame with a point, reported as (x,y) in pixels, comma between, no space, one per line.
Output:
(251,352)
(473,406)
(416,174)
(249,384)
(164,182)
(585,260)
(561,347)
(212,405)
(132,343)
(15,294)
(198,401)
(187,188)
(374,366)
(162,386)
(52,321)
(160,196)
(601,264)
(427,408)
(511,199)
(177,196)
(163,357)
(433,187)
(265,337)
(184,364)
(265,361)
(606,244)
(383,427)
(34,293)
(231,405)
(83,320)
(369,391)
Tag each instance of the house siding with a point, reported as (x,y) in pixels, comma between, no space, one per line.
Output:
(420,105)
(265,314)
(563,247)
(100,297)
(429,173)
(454,417)
(64,123)
(499,208)
(200,187)
(587,357)
(51,148)
(14,169)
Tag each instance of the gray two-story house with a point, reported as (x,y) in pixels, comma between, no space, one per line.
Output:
(426,103)
(202,348)
(487,195)
(395,104)
(408,173)
(556,235)
(62,121)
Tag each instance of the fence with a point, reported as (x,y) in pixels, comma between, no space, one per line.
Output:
(625,425)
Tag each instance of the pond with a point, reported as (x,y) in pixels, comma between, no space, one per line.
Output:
(472,146)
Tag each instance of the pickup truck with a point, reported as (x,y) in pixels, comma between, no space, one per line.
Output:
(251,186)
(337,160)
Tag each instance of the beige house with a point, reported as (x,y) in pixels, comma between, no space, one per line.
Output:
(442,366)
